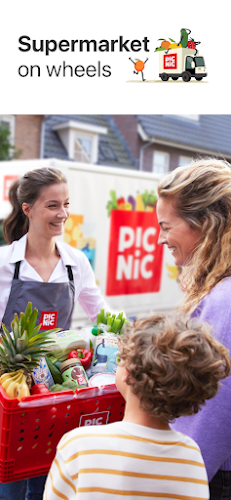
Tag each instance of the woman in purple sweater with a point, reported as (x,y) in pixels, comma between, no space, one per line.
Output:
(194,214)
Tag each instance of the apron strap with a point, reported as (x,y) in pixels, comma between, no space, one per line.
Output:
(17,266)
(16,271)
(70,273)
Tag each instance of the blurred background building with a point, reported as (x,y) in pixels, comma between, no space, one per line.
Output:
(153,143)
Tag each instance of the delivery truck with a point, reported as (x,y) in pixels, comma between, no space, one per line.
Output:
(113,221)
(181,62)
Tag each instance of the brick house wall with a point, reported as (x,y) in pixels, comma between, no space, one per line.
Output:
(127,125)
(28,135)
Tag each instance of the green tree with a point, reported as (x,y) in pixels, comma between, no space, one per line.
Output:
(2,239)
(7,151)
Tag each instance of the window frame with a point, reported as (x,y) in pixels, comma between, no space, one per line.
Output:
(164,153)
(185,160)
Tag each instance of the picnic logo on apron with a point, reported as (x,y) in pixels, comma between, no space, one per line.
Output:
(48,319)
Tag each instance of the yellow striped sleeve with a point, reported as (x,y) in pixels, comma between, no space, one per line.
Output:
(127,493)
(62,475)
(55,491)
(134,455)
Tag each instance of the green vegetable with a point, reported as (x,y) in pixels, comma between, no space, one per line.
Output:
(56,388)
(54,371)
(103,317)
(121,325)
(184,37)
(52,359)
(115,323)
(109,321)
(112,204)
(69,384)
(99,318)
(149,198)
(159,48)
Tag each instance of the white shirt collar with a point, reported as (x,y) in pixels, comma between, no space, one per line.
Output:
(19,251)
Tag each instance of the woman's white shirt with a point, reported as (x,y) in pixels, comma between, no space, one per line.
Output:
(86,290)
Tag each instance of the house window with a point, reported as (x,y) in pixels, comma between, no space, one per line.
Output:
(160,162)
(82,149)
(80,140)
(107,152)
(184,160)
(8,121)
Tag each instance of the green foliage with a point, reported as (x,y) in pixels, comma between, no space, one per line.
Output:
(2,239)
(7,151)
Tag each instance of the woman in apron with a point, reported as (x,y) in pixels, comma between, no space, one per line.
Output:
(35,268)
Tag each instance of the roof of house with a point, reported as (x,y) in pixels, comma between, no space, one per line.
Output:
(208,132)
(118,150)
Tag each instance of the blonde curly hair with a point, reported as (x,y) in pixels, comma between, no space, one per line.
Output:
(201,195)
(173,364)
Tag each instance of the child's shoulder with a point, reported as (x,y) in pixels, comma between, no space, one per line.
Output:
(87,431)
(190,446)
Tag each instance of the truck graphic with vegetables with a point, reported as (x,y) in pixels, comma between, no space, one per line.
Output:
(143,202)
(180,59)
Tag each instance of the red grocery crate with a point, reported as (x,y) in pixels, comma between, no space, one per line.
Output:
(31,429)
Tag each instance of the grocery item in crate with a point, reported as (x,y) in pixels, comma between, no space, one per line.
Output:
(112,365)
(64,342)
(110,322)
(14,384)
(71,369)
(84,355)
(89,337)
(20,352)
(42,375)
(101,379)
(106,346)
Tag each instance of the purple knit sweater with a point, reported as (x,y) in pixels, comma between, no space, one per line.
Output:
(211,426)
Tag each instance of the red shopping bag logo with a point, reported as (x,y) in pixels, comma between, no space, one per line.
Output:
(8,179)
(170,61)
(48,319)
(134,257)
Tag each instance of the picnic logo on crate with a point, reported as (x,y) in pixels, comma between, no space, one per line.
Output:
(180,59)
(99,418)
(134,257)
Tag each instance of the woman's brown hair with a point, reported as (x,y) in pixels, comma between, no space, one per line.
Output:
(201,194)
(27,190)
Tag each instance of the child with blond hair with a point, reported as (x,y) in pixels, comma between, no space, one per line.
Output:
(167,368)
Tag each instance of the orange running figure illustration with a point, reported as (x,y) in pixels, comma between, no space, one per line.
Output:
(139,66)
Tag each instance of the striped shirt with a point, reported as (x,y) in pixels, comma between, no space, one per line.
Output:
(126,460)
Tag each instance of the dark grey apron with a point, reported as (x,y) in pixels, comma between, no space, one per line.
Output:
(54,301)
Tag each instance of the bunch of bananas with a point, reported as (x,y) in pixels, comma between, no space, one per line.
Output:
(14,384)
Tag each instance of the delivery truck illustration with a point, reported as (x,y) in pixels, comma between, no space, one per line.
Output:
(181,62)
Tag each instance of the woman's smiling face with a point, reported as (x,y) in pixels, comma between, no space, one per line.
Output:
(176,233)
(48,214)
